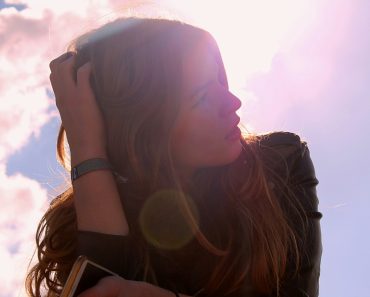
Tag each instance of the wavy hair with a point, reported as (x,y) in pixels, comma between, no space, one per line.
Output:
(136,79)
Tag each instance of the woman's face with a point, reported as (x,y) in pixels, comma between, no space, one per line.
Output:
(206,118)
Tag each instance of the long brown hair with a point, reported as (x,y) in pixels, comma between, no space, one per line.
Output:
(136,79)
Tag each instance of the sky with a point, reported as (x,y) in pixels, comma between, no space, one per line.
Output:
(301,66)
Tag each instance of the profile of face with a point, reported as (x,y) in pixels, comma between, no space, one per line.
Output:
(207,116)
(165,88)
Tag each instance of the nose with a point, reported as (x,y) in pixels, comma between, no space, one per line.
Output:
(230,105)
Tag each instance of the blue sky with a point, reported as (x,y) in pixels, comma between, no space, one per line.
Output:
(307,72)
(18,6)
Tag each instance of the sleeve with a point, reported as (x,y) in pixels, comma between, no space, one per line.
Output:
(110,251)
(303,182)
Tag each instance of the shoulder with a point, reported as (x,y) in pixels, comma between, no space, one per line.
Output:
(281,149)
(285,141)
(287,154)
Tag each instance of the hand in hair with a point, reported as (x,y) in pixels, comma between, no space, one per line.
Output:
(84,126)
(113,286)
(79,111)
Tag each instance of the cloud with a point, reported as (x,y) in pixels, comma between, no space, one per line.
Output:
(23,202)
(24,103)
(21,116)
(24,109)
(302,72)
(29,40)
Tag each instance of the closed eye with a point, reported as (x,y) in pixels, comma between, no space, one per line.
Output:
(200,100)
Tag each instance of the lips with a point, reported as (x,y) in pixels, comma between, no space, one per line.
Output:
(234,135)
(234,128)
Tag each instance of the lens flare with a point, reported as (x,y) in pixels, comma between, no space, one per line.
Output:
(163,221)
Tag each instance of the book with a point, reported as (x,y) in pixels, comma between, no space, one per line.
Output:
(83,275)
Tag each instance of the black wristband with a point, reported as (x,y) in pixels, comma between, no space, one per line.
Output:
(88,166)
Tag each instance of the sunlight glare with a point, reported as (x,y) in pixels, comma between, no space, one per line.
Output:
(249,33)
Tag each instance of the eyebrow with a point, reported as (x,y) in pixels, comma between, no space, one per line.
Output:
(200,88)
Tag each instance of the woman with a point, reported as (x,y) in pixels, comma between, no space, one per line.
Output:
(186,205)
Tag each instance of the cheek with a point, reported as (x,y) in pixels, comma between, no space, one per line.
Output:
(190,142)
(200,143)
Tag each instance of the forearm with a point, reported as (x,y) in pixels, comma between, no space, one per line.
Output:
(96,198)
(97,202)
(160,292)
(120,287)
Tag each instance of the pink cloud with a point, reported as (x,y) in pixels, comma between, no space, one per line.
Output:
(30,42)
(301,72)
(24,103)
(23,202)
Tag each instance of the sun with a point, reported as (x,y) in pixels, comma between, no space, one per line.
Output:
(249,32)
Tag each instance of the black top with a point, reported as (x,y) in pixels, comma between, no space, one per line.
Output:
(187,268)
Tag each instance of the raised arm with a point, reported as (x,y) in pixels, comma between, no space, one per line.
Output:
(101,220)
(96,198)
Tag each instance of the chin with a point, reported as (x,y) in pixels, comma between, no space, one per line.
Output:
(232,154)
(235,153)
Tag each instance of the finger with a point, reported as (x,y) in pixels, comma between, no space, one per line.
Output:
(106,287)
(65,72)
(83,78)
(56,90)
(61,76)
(54,85)
(62,81)
(59,59)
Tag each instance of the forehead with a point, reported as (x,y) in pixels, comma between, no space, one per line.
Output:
(200,64)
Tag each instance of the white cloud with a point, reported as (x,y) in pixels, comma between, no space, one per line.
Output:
(23,203)
(22,114)
(30,40)
(24,103)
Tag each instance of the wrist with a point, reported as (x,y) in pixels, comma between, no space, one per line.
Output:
(88,166)
(80,155)
(159,292)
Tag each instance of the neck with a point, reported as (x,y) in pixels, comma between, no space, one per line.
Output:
(186,177)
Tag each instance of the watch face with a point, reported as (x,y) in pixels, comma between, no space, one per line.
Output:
(90,277)
(83,275)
